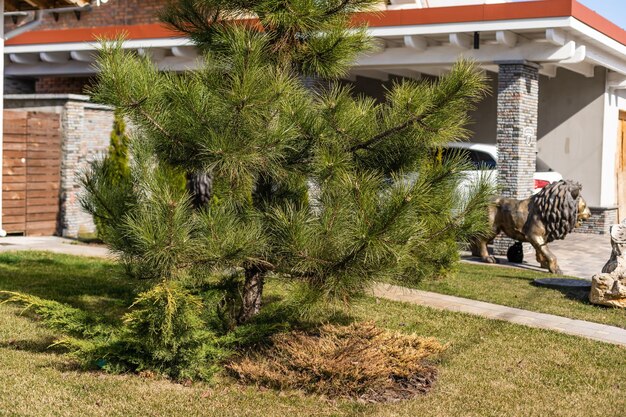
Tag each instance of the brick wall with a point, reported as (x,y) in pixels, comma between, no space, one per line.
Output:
(516,136)
(116,12)
(86,133)
(600,222)
(61,85)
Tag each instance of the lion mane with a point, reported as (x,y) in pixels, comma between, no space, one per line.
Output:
(556,206)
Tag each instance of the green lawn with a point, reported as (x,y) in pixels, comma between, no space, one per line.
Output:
(491,368)
(513,287)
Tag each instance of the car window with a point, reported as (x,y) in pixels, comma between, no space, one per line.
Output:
(478,159)
(482,160)
(448,153)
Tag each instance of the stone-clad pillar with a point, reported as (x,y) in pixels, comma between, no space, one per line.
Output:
(518,97)
(86,130)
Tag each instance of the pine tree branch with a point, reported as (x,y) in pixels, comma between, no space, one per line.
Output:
(341,6)
(335,44)
(262,264)
(333,123)
(92,190)
(304,256)
(137,106)
(349,258)
(398,128)
(190,18)
(160,128)
(381,229)
(456,220)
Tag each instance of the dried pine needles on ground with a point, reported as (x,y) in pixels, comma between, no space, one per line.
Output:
(359,361)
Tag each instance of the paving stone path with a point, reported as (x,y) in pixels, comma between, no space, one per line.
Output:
(580,255)
(52,244)
(595,331)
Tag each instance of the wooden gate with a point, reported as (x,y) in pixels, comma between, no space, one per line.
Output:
(31,173)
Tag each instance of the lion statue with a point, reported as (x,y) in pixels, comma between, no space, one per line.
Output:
(549,215)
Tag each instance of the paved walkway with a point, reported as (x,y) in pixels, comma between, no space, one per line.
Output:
(601,332)
(52,244)
(579,255)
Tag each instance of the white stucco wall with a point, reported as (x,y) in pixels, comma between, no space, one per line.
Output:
(571,128)
(483,119)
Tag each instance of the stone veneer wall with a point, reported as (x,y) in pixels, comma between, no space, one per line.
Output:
(61,85)
(86,135)
(18,85)
(85,130)
(516,136)
(601,220)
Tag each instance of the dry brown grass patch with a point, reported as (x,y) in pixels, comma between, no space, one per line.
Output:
(358,361)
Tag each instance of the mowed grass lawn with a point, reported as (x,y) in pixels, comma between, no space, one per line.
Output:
(491,368)
(513,287)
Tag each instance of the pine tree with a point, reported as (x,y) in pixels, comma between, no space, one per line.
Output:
(118,148)
(328,189)
(115,165)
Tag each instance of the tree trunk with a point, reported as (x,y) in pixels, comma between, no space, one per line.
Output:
(252,293)
(200,187)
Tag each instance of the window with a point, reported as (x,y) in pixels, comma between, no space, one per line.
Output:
(482,160)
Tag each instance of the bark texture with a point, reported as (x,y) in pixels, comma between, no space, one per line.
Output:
(252,293)
(200,186)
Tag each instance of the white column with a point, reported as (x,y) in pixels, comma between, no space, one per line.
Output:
(2,231)
(608,182)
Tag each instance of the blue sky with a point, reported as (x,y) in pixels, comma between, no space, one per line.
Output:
(614,10)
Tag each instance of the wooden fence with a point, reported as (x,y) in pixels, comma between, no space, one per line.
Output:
(31,173)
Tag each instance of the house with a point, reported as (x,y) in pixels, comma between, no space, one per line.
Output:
(43,177)
(557,73)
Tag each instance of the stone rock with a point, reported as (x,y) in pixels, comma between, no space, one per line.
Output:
(609,287)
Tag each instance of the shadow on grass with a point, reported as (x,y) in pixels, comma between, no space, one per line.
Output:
(580,296)
(488,271)
(278,316)
(94,285)
(574,294)
(39,345)
(101,288)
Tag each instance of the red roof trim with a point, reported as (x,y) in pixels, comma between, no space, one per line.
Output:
(435,15)
(598,22)
(472,13)
(148,31)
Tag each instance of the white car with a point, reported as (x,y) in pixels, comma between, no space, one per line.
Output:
(485,157)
